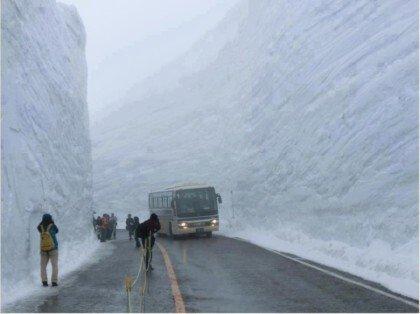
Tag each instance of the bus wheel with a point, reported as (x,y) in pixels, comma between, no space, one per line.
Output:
(209,234)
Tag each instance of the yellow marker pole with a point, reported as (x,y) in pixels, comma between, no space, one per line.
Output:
(128,285)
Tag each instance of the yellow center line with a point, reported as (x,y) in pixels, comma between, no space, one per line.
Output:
(179,302)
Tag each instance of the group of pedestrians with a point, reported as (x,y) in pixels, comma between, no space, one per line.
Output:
(106,227)
(144,233)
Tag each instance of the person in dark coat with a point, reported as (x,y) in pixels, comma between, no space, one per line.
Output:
(129,223)
(98,227)
(135,225)
(104,227)
(110,227)
(113,223)
(145,231)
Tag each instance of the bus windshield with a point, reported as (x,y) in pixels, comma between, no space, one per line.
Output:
(196,202)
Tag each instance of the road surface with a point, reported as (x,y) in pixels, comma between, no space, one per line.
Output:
(216,274)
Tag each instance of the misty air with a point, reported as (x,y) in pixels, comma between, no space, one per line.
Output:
(210,156)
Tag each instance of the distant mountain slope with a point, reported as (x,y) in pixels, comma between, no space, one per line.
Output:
(307,111)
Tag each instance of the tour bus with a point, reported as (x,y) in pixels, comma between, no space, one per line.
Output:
(186,209)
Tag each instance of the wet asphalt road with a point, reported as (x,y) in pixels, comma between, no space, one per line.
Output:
(214,275)
(226,275)
(100,286)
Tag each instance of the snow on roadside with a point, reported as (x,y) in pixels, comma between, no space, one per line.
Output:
(68,264)
(372,264)
(46,151)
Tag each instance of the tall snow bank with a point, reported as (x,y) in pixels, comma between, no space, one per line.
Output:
(46,154)
(307,112)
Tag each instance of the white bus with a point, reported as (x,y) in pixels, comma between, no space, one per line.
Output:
(186,209)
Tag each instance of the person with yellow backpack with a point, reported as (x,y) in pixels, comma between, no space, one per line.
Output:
(49,249)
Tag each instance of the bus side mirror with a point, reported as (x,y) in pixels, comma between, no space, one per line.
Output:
(219,198)
(173,204)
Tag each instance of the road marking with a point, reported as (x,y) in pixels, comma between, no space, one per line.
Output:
(179,302)
(336,275)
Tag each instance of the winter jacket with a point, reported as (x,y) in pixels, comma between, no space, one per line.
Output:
(129,222)
(147,227)
(104,222)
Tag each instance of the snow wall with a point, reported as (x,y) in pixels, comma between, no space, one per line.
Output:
(46,153)
(304,116)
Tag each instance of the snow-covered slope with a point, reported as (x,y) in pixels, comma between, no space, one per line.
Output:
(307,111)
(46,154)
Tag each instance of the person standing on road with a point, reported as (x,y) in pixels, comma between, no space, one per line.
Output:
(109,227)
(104,227)
(135,225)
(49,249)
(129,223)
(146,231)
(98,227)
(114,223)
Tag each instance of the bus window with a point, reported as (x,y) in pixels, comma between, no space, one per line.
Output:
(195,202)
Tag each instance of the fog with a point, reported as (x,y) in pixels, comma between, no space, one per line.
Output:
(128,40)
(302,114)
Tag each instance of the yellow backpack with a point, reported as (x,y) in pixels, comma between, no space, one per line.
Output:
(47,242)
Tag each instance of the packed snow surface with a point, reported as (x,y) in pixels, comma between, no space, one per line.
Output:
(307,112)
(46,154)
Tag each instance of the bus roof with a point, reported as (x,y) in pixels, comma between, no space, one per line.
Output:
(186,186)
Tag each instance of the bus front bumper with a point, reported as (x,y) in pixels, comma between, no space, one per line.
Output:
(197,229)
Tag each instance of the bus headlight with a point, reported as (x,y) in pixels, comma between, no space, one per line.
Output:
(214,221)
(183,224)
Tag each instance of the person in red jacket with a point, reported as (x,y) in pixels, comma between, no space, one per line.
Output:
(104,227)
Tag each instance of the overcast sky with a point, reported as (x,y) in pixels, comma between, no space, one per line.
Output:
(127,40)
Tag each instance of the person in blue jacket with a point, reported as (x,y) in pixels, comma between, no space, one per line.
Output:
(49,249)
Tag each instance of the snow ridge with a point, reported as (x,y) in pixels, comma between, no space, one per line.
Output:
(46,150)
(308,114)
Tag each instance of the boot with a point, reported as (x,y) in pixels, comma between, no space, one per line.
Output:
(54,284)
(45,283)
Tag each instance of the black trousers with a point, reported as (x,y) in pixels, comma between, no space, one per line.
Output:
(152,244)
(130,232)
(103,234)
(149,253)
